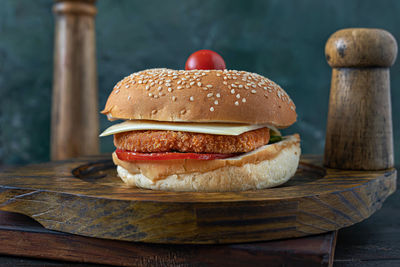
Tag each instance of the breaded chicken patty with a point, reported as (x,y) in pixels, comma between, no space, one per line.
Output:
(175,141)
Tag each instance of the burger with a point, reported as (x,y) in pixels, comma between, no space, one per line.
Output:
(202,130)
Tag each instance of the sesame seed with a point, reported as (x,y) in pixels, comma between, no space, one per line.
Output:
(265,88)
(232,91)
(167,84)
(234,77)
(179,87)
(225,83)
(153,111)
(205,88)
(218,95)
(183,111)
(173,98)
(225,78)
(237,103)
(238,96)
(155,96)
(191,83)
(117,91)
(253,85)
(233,85)
(175,77)
(159,88)
(140,81)
(127,86)
(129,97)
(168,81)
(212,109)
(209,85)
(244,100)
(150,94)
(170,89)
(179,82)
(218,74)
(240,86)
(253,91)
(161,93)
(147,87)
(216,102)
(191,98)
(210,94)
(199,83)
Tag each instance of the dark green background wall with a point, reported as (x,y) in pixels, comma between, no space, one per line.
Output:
(283,40)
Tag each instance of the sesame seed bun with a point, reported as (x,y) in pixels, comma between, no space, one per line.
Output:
(268,166)
(201,96)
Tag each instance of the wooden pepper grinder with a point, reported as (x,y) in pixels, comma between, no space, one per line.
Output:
(359,133)
(75,124)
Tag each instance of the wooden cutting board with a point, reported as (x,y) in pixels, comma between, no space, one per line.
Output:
(85,197)
(23,237)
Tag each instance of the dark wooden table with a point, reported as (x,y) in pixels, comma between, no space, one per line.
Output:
(373,242)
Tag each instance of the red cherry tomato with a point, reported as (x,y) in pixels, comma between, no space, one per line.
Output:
(133,156)
(205,60)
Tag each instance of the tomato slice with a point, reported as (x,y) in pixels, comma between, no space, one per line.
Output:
(133,156)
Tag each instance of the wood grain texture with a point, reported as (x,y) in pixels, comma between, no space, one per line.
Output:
(98,204)
(361,47)
(22,236)
(74,130)
(359,133)
(373,242)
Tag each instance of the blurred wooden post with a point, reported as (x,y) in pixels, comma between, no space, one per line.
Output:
(359,133)
(74,129)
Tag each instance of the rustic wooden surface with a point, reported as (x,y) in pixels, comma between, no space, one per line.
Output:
(22,236)
(99,205)
(74,126)
(373,242)
(359,132)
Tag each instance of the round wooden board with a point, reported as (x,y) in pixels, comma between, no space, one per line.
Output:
(85,197)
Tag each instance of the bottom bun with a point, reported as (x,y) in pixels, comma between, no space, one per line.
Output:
(231,177)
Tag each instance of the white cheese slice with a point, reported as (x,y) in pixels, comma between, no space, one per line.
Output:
(206,128)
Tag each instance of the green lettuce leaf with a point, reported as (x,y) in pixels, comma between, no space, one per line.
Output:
(275,138)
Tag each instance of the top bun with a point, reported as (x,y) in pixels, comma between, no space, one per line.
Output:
(200,96)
